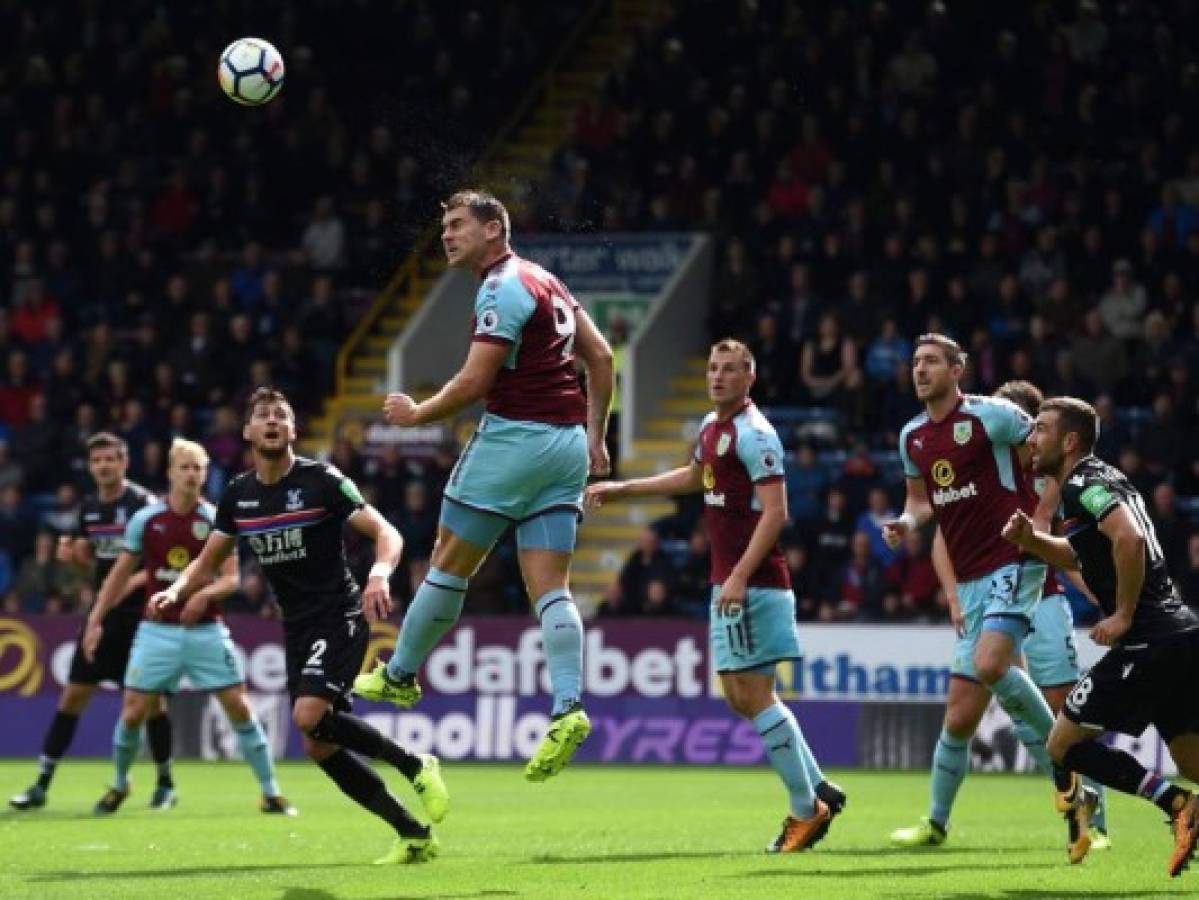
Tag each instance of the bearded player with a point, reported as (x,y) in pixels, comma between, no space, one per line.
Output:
(963,459)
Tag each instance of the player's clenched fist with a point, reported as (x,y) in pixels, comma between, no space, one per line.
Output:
(160,602)
(597,494)
(894,531)
(1018,529)
(400,409)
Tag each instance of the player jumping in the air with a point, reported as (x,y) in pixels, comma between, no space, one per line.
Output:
(175,641)
(1147,676)
(290,511)
(526,465)
(102,524)
(738,464)
(1050,655)
(964,459)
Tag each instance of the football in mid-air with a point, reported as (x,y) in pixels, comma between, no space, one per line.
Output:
(250,71)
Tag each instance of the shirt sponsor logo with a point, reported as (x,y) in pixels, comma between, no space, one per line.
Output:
(942,472)
(711,498)
(247,504)
(962,432)
(709,477)
(945,496)
(178,558)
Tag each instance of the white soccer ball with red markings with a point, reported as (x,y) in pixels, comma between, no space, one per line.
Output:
(250,71)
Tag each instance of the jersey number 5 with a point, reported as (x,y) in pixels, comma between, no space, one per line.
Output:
(564,324)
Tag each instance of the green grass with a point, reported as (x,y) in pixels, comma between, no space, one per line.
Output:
(593,832)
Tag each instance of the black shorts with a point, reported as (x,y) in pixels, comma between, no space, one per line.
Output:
(324,655)
(1130,689)
(112,653)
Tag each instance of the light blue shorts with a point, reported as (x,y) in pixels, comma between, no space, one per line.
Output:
(761,634)
(1049,649)
(1003,600)
(162,654)
(518,472)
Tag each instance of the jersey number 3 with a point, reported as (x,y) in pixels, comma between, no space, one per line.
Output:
(564,324)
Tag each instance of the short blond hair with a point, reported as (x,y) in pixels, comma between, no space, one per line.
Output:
(181,448)
(732,345)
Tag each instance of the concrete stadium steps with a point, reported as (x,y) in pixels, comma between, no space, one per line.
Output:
(510,167)
(665,439)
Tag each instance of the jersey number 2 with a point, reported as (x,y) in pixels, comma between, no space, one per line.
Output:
(317,659)
(564,324)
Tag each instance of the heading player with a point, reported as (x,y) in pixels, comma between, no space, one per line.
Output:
(526,465)
(1148,675)
(963,460)
(1050,655)
(102,522)
(174,642)
(738,464)
(290,510)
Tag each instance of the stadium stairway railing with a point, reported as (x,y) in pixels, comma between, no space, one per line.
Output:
(512,166)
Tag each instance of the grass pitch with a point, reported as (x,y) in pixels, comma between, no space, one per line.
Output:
(592,832)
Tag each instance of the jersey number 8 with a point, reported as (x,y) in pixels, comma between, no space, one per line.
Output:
(564,324)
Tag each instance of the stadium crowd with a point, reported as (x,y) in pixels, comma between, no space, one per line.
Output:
(866,179)
(869,177)
(163,250)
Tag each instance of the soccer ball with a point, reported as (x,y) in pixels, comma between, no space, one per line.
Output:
(250,71)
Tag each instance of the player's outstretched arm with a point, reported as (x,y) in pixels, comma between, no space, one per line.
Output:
(917,511)
(684,480)
(469,385)
(592,348)
(112,591)
(389,544)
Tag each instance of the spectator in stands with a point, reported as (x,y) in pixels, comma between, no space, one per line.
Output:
(37,447)
(1097,355)
(887,351)
(863,592)
(913,578)
(324,240)
(807,481)
(44,585)
(1112,434)
(693,580)
(1122,305)
(829,367)
(870,523)
(17,389)
(1162,442)
(1173,532)
(629,594)
(829,537)
(11,473)
(417,522)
